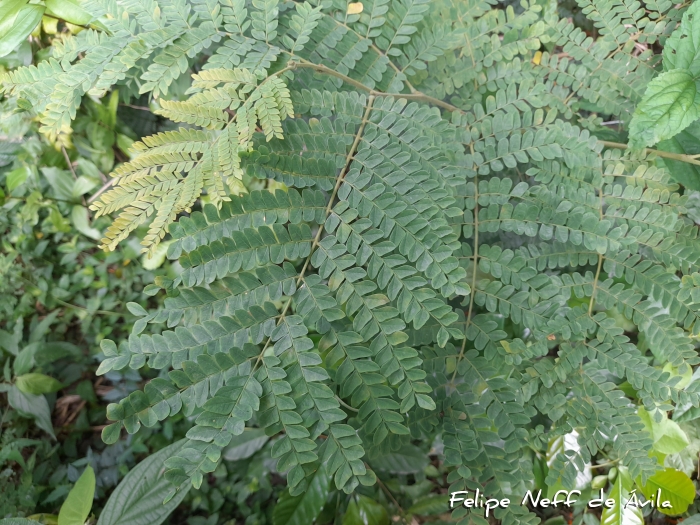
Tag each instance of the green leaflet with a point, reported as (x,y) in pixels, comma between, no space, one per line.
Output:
(671,103)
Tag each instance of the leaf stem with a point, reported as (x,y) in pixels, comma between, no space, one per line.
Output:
(417,95)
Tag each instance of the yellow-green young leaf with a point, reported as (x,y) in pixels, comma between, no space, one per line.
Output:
(68,10)
(76,508)
(35,383)
(682,49)
(17,177)
(667,435)
(620,513)
(16,26)
(670,104)
(674,486)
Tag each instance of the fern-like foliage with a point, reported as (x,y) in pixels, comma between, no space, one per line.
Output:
(454,251)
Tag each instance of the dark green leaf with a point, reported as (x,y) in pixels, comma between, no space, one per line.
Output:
(138,499)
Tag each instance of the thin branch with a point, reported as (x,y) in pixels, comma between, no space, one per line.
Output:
(359,85)
(690,159)
(104,188)
(68,161)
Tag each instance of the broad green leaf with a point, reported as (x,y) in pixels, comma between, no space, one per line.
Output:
(69,11)
(670,104)
(17,21)
(686,460)
(76,509)
(364,511)
(33,406)
(621,514)
(81,221)
(17,25)
(675,487)
(428,505)
(17,177)
(83,185)
(35,383)
(9,8)
(18,521)
(303,509)
(39,354)
(667,435)
(407,460)
(246,444)
(681,172)
(138,499)
(682,49)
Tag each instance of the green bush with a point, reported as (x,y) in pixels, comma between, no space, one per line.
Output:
(416,247)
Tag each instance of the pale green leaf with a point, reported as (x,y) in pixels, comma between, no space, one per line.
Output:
(76,509)
(68,10)
(36,383)
(16,26)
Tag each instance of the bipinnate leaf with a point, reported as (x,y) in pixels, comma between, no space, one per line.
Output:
(682,49)
(670,104)
(304,508)
(675,486)
(76,509)
(138,499)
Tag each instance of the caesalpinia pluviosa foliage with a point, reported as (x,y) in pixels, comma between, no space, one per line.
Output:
(448,255)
